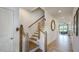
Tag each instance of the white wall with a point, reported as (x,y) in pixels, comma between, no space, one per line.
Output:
(74,38)
(51,35)
(27,17)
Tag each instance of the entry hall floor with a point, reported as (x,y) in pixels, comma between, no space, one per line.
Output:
(62,44)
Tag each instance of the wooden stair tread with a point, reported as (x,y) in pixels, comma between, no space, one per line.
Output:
(32,45)
(35,42)
(32,38)
(35,35)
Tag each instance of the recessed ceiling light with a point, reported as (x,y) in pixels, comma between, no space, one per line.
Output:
(59,11)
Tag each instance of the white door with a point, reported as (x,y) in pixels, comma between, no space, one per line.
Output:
(6,30)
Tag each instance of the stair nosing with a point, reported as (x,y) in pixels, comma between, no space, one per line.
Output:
(35,35)
(33,38)
(34,42)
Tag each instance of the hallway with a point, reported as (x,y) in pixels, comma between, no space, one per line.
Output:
(37,29)
(62,44)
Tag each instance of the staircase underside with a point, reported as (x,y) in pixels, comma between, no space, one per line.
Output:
(38,50)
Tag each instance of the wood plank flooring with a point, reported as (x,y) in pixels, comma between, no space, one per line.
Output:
(62,44)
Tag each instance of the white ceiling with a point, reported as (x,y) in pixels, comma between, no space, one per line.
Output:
(30,8)
(53,11)
(66,11)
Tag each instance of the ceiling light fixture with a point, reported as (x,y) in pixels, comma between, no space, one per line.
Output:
(59,11)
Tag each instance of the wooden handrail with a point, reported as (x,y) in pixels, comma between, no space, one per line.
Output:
(36,21)
(21,34)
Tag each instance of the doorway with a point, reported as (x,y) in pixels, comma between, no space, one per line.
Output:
(63,28)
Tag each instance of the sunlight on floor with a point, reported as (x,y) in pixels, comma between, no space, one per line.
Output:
(63,39)
(62,44)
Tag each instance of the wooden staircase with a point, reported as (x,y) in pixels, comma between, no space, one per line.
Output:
(34,40)
(34,43)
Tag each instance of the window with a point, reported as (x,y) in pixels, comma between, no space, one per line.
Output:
(63,28)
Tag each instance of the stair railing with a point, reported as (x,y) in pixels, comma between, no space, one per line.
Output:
(34,26)
(24,40)
(43,41)
(36,21)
